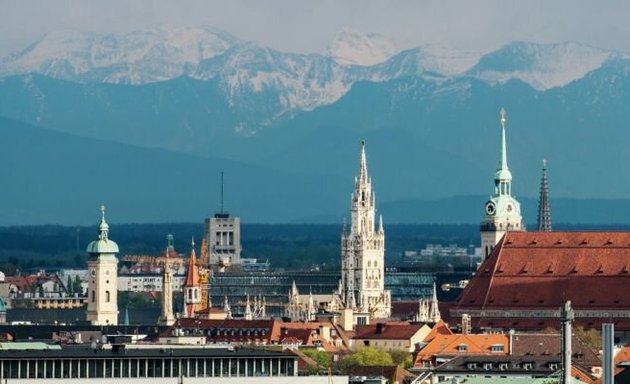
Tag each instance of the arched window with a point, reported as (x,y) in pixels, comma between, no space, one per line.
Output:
(190,294)
(93,296)
(107,296)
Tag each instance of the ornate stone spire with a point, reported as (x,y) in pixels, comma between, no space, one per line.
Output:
(434,311)
(248,310)
(311,307)
(226,307)
(363,173)
(544,207)
(423,311)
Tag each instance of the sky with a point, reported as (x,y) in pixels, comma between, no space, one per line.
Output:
(307,26)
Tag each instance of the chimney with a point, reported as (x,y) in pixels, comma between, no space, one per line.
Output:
(379,328)
(511,341)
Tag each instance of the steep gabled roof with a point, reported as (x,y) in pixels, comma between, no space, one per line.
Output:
(192,274)
(544,269)
(440,328)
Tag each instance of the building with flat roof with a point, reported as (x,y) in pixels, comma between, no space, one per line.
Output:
(24,360)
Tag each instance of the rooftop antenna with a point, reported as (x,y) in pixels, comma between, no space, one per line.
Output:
(221,192)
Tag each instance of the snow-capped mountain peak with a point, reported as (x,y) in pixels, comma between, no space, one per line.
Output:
(142,56)
(543,66)
(351,47)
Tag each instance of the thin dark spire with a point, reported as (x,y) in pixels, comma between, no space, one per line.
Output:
(544,208)
(221,192)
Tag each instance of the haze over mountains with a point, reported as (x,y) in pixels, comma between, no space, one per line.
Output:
(159,112)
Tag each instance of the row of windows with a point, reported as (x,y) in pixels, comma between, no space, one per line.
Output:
(222,332)
(156,367)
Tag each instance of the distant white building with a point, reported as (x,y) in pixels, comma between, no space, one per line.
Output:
(147,283)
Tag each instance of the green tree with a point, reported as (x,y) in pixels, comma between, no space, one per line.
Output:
(402,358)
(77,288)
(321,357)
(69,286)
(370,356)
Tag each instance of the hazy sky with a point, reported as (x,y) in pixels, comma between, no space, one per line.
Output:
(307,26)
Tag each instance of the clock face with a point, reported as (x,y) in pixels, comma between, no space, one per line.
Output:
(509,207)
(107,272)
(93,272)
(490,209)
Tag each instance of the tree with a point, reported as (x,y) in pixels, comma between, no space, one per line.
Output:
(370,356)
(590,337)
(402,358)
(77,288)
(321,357)
(69,286)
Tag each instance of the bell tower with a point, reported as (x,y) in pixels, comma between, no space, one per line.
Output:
(502,213)
(102,308)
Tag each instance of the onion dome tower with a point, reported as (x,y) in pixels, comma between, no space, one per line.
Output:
(102,308)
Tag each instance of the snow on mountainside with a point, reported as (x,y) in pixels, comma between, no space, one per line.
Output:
(441,60)
(351,47)
(261,85)
(543,66)
(139,57)
(257,78)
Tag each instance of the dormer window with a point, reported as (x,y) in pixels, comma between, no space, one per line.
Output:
(497,348)
(462,348)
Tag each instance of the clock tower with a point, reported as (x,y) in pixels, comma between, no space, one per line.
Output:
(102,308)
(502,213)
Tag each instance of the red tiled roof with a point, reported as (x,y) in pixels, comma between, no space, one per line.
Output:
(389,331)
(544,269)
(449,345)
(439,329)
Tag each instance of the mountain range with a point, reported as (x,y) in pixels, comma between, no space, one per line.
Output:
(199,100)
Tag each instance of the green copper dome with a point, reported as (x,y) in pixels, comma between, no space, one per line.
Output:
(103,244)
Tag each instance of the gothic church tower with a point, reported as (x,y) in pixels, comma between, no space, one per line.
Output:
(102,308)
(363,252)
(502,212)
